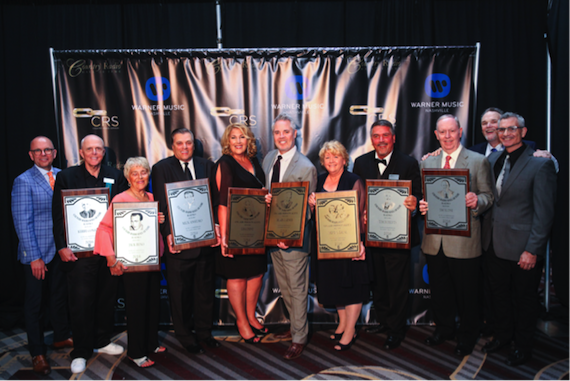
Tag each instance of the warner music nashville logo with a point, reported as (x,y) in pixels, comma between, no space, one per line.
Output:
(157,89)
(438,85)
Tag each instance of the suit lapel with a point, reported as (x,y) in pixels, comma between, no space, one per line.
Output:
(521,163)
(199,169)
(41,181)
(462,159)
(291,167)
(267,167)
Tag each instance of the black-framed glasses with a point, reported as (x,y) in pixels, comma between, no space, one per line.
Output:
(510,129)
(46,151)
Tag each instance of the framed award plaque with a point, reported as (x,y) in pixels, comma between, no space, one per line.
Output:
(286,220)
(190,214)
(338,224)
(136,235)
(444,191)
(247,212)
(83,210)
(388,219)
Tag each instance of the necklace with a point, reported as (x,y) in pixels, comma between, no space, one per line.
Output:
(143,198)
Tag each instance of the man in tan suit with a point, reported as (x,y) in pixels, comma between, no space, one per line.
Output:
(453,261)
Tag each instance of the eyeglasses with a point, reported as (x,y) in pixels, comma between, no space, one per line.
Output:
(45,151)
(94,149)
(511,129)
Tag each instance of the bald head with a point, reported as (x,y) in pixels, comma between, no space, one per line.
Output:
(42,152)
(92,151)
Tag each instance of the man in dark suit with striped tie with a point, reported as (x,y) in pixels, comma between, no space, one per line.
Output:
(189,273)
(391,266)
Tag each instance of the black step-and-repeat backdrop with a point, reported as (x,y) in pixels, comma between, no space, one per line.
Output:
(133,99)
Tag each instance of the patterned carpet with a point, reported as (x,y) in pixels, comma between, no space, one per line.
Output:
(238,360)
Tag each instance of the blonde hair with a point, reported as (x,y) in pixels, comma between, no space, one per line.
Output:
(336,148)
(138,161)
(246,131)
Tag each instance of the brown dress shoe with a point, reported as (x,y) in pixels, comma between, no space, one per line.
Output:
(41,366)
(67,343)
(294,351)
(285,336)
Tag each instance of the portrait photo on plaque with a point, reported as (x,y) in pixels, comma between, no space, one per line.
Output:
(287,213)
(247,213)
(136,235)
(83,210)
(338,224)
(444,191)
(388,219)
(190,214)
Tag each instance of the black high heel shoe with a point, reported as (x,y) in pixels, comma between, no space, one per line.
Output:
(262,331)
(336,336)
(252,340)
(346,347)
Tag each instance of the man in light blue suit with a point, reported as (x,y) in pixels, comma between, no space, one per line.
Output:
(291,265)
(31,209)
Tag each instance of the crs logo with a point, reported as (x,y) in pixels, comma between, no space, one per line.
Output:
(236,115)
(297,87)
(99,118)
(157,89)
(437,85)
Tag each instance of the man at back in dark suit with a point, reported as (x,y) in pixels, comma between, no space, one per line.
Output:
(45,282)
(453,262)
(291,264)
(189,273)
(92,290)
(391,266)
(515,235)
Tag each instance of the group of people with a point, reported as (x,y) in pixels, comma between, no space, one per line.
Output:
(510,201)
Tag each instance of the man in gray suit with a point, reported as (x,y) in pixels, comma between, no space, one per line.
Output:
(515,234)
(453,261)
(287,164)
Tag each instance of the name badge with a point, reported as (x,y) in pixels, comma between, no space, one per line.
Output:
(108,180)
(393,176)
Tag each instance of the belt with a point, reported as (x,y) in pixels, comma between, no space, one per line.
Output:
(84,254)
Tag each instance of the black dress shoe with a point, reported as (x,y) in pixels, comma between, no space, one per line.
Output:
(437,339)
(463,349)
(518,357)
(392,342)
(494,345)
(212,343)
(195,348)
(377,329)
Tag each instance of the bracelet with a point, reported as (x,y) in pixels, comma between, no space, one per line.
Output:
(114,264)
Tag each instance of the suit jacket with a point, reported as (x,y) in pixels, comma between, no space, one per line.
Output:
(169,170)
(78,177)
(480,184)
(31,211)
(482,147)
(406,167)
(300,169)
(522,216)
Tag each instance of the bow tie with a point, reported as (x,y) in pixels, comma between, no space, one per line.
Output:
(383,161)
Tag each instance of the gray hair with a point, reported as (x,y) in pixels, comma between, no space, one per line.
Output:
(445,116)
(509,114)
(383,123)
(286,118)
(492,109)
(138,161)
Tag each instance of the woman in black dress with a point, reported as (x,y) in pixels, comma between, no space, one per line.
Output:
(239,168)
(344,283)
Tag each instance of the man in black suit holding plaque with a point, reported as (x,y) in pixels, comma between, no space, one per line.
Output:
(287,164)
(391,266)
(189,273)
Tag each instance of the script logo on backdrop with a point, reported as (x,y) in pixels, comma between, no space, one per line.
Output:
(297,88)
(77,67)
(158,89)
(438,85)
(98,118)
(235,115)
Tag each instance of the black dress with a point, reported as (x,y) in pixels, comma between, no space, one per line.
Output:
(234,175)
(342,282)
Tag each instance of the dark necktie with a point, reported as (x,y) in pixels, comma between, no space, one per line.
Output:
(187,172)
(493,149)
(276,170)
(503,175)
(378,161)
